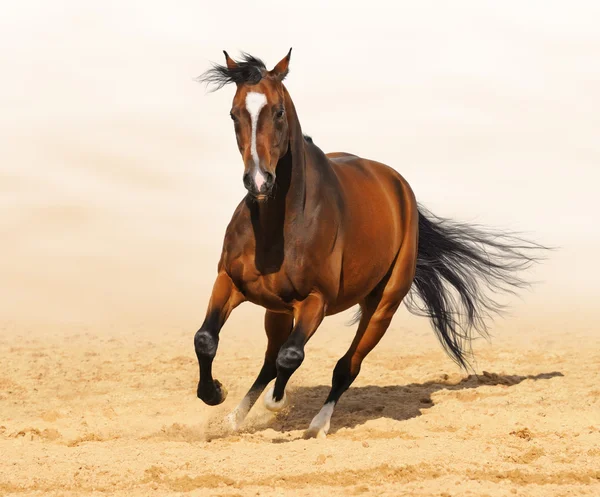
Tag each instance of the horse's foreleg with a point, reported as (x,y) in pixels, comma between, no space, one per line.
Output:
(225,297)
(307,317)
(278,328)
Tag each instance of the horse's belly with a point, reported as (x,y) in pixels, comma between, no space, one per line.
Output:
(368,256)
(360,277)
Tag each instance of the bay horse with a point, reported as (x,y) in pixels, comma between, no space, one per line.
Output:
(319,233)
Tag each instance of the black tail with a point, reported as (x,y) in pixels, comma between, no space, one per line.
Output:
(456,265)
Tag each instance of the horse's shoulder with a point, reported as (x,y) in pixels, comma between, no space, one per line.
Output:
(238,227)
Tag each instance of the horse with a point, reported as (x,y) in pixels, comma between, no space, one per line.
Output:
(317,234)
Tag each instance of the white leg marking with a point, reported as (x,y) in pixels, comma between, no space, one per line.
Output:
(271,404)
(237,416)
(254,103)
(319,426)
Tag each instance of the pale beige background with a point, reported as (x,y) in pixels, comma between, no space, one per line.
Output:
(118,173)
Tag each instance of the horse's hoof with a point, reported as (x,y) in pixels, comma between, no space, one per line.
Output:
(232,421)
(319,426)
(213,395)
(315,432)
(271,404)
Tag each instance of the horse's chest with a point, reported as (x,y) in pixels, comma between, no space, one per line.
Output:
(274,290)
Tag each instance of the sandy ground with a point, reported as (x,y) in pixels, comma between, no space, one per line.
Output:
(89,413)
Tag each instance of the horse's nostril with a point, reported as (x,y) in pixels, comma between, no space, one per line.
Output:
(247,180)
(269,178)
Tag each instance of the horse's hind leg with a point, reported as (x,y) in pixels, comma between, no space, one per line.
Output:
(278,327)
(377,312)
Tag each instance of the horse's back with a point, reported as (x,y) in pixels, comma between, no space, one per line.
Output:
(364,176)
(344,162)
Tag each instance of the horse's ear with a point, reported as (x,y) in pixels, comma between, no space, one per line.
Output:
(282,68)
(231,64)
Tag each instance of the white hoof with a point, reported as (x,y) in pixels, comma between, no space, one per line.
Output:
(235,419)
(271,404)
(314,432)
(319,426)
(231,421)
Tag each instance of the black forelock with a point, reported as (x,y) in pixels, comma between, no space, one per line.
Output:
(249,70)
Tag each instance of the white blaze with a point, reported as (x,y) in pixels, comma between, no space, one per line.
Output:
(259,179)
(254,103)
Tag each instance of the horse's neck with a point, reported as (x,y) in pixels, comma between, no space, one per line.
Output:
(289,197)
(289,200)
(277,223)
(293,165)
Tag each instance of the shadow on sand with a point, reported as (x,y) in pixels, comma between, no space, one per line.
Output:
(361,404)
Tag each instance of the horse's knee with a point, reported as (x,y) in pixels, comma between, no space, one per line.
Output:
(205,344)
(290,358)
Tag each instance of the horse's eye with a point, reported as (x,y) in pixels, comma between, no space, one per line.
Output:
(279,114)
(233,118)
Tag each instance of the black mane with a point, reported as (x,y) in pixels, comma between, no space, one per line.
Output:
(250,70)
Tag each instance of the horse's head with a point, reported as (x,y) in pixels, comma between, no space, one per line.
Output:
(259,115)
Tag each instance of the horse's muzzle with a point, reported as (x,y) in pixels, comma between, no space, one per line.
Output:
(259,184)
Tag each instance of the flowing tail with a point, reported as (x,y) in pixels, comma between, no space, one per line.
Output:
(459,269)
